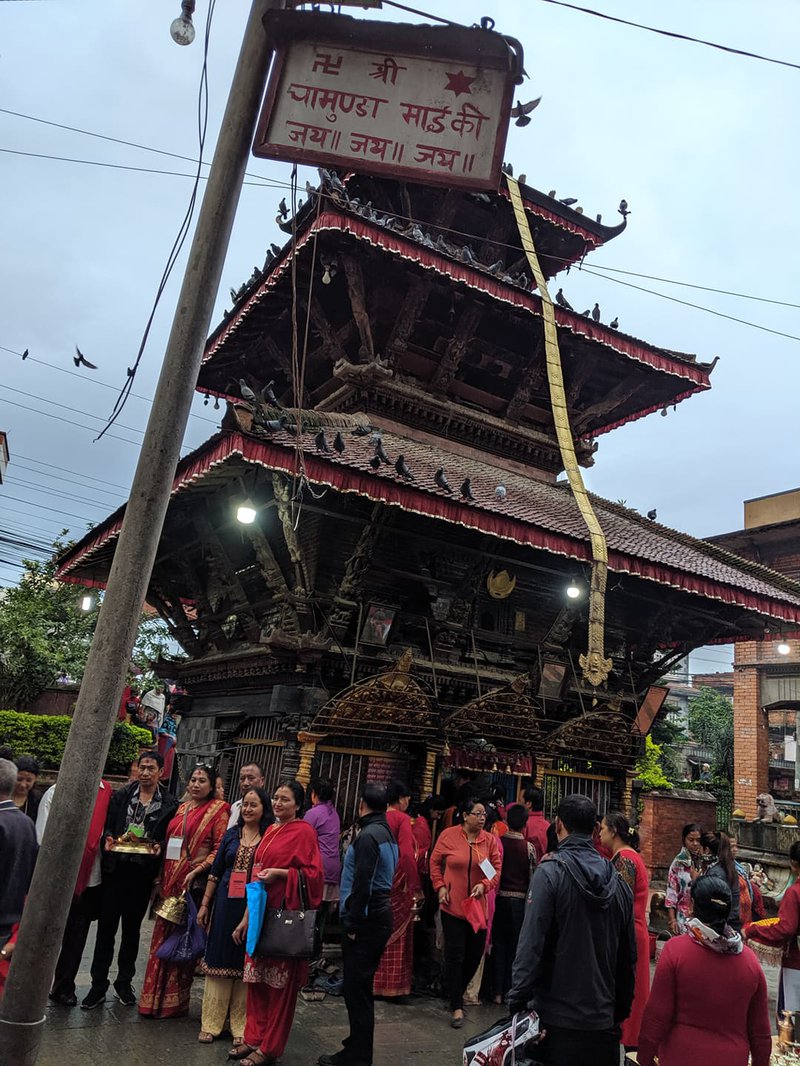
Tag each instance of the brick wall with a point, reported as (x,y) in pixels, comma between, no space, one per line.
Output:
(664,814)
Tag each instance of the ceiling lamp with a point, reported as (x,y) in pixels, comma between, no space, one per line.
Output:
(87,602)
(573,590)
(246,513)
(783,648)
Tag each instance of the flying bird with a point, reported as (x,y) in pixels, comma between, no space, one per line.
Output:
(466,489)
(614,323)
(652,515)
(520,112)
(247,392)
(81,360)
(401,466)
(381,454)
(268,394)
(501,492)
(596,313)
(338,443)
(623,208)
(562,301)
(441,480)
(25,355)
(321,442)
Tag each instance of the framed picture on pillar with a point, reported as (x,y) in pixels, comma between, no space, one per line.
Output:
(378,623)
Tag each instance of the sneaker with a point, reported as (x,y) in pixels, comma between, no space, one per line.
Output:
(64,999)
(125,994)
(94,998)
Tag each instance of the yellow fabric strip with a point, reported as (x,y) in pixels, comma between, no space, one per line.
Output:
(594,665)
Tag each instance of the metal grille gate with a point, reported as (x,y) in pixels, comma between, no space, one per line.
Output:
(561,783)
(260,742)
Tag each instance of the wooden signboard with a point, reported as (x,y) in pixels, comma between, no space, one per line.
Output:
(430,104)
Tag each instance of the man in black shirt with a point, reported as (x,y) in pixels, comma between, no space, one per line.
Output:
(146,808)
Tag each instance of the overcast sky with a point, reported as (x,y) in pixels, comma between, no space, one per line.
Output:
(703,145)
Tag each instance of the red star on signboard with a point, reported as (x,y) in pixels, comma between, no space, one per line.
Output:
(458,82)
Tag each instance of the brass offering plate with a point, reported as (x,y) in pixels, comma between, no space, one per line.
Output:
(128,844)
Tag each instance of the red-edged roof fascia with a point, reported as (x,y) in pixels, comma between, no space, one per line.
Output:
(630,347)
(337,475)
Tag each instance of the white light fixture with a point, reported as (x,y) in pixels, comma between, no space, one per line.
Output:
(246,513)
(87,602)
(182,28)
(783,648)
(573,591)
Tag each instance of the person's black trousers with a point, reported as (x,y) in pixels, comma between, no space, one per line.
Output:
(578,1047)
(126,895)
(463,950)
(83,910)
(508,915)
(361,958)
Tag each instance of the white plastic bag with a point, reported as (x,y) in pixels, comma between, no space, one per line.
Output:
(502,1044)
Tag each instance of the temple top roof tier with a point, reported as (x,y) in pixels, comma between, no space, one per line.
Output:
(436,326)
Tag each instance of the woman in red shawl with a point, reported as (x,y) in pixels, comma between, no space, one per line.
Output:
(396,970)
(193,835)
(289,847)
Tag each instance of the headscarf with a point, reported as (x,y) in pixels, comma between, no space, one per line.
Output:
(728,942)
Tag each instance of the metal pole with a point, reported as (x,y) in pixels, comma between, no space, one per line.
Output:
(42,927)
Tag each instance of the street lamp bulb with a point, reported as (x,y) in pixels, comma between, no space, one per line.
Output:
(573,591)
(182,29)
(783,648)
(86,603)
(246,513)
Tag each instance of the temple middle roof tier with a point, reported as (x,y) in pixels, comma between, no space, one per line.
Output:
(405,325)
(499,504)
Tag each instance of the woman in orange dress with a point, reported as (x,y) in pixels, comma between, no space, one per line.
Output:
(288,848)
(622,840)
(193,836)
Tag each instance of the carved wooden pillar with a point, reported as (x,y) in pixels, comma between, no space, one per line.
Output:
(432,752)
(627,795)
(308,749)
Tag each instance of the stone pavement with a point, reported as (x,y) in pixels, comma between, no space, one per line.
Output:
(415,1032)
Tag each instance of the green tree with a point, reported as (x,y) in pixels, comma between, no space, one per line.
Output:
(44,632)
(649,770)
(711,725)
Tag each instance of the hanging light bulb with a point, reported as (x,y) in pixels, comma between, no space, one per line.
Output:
(205,401)
(573,590)
(783,648)
(246,513)
(182,28)
(216,403)
(326,275)
(87,602)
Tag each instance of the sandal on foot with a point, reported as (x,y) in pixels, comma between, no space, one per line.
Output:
(262,1060)
(240,1050)
(205,1038)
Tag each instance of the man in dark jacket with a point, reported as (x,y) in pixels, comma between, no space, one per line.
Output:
(18,850)
(366,915)
(144,808)
(576,957)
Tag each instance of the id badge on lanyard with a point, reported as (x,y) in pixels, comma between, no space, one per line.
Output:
(236,885)
(174,848)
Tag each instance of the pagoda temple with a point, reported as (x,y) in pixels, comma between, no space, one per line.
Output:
(413,593)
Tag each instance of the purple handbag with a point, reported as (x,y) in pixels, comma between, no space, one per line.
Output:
(188,943)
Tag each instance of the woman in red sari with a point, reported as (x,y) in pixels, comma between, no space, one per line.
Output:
(288,848)
(396,969)
(193,835)
(622,840)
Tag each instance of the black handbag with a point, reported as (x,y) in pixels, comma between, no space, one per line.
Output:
(288,934)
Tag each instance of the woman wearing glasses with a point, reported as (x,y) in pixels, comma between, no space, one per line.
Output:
(464,866)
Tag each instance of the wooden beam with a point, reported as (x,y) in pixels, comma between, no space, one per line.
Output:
(358,302)
(331,346)
(282,489)
(625,390)
(176,621)
(578,379)
(465,330)
(407,317)
(273,577)
(530,379)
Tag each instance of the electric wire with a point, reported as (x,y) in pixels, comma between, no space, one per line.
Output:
(669,33)
(67,407)
(183,230)
(58,492)
(68,421)
(65,470)
(63,480)
(84,378)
